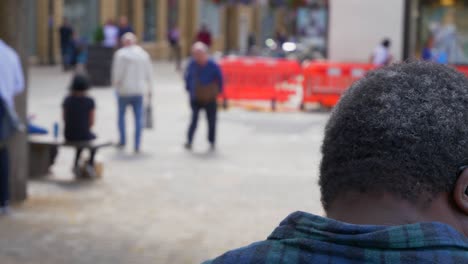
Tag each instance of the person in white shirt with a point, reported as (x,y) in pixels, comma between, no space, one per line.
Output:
(11,84)
(381,55)
(132,77)
(111,34)
(12,80)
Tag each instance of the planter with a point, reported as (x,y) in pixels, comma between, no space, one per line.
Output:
(99,65)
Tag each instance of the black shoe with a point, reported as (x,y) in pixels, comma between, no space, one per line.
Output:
(120,146)
(188,146)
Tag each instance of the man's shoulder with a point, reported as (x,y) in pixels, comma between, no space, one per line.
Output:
(213,63)
(9,51)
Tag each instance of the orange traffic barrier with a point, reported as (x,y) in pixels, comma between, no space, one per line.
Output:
(463,69)
(324,82)
(258,78)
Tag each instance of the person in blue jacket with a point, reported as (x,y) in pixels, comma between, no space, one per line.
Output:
(201,72)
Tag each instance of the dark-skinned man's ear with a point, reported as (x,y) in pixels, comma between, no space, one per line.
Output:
(460,194)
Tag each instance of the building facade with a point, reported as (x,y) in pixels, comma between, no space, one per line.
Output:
(327,25)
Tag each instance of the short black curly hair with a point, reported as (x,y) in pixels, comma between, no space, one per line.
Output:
(402,129)
(80,83)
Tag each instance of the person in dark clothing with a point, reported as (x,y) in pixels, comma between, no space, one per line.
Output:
(173,38)
(4,166)
(202,71)
(12,83)
(204,36)
(66,40)
(79,116)
(124,27)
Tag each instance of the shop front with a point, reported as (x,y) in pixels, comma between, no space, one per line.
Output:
(442,31)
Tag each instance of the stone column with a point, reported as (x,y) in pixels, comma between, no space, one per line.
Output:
(42,31)
(57,20)
(108,10)
(13,30)
(161,20)
(138,17)
(181,23)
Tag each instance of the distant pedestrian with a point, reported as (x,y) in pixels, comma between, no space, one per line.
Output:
(204,82)
(11,84)
(66,42)
(381,55)
(132,76)
(427,52)
(79,118)
(111,34)
(78,53)
(174,40)
(124,27)
(204,36)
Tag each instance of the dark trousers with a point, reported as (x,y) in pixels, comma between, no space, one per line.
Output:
(4,177)
(65,50)
(211,110)
(91,156)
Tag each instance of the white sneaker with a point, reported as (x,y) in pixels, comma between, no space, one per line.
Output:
(90,171)
(5,210)
(77,172)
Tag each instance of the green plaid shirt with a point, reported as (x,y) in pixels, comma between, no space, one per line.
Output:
(306,238)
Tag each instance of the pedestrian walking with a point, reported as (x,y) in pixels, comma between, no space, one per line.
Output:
(381,55)
(66,42)
(204,36)
(174,39)
(111,34)
(133,80)
(204,81)
(11,84)
(124,26)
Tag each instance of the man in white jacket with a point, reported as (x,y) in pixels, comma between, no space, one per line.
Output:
(132,78)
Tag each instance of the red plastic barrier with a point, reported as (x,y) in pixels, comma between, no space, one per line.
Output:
(462,69)
(325,82)
(258,78)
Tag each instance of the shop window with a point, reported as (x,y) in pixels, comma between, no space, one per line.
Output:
(210,17)
(83,16)
(312,27)
(149,24)
(443,31)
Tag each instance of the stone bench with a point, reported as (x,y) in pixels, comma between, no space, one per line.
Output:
(44,149)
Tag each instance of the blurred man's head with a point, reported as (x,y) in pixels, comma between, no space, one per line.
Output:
(393,148)
(80,83)
(123,21)
(386,43)
(200,53)
(110,22)
(129,39)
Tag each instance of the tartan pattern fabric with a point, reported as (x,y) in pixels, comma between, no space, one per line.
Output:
(305,238)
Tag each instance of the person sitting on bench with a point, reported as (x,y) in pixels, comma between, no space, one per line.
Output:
(79,116)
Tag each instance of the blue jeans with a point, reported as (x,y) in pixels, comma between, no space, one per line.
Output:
(137,104)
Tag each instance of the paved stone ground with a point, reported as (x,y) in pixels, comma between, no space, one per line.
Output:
(166,205)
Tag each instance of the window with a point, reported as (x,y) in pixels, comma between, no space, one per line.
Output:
(312,26)
(83,16)
(149,24)
(209,16)
(443,31)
